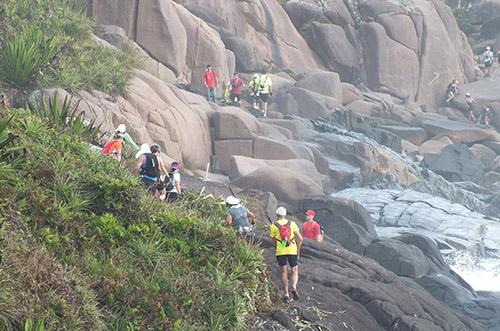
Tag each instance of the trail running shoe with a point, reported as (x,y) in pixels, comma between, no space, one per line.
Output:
(286,299)
(295,294)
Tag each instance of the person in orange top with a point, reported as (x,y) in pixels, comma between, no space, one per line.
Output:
(311,229)
(114,147)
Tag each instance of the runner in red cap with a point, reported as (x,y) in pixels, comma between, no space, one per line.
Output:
(311,229)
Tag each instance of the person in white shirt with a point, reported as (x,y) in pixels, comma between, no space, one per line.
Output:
(174,187)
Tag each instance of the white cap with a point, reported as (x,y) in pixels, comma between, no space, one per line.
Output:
(143,150)
(488,48)
(255,75)
(230,200)
(121,128)
(467,94)
(281,211)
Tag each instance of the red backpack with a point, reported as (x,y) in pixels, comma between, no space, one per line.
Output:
(285,233)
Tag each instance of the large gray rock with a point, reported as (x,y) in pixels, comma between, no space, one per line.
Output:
(305,103)
(458,132)
(322,82)
(427,246)
(414,135)
(326,207)
(400,258)
(485,154)
(286,184)
(455,163)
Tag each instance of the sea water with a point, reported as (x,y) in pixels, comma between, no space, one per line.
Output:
(482,274)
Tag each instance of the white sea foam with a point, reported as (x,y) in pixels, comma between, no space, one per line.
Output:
(483,274)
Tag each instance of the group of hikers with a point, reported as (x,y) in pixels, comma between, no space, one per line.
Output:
(162,183)
(478,116)
(260,89)
(482,116)
(165,185)
(285,235)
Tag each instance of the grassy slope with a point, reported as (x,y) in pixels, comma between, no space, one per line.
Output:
(85,248)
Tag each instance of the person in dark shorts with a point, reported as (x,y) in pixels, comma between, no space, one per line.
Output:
(174,189)
(288,240)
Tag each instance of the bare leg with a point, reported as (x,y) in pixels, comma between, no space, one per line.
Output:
(295,276)
(284,278)
(265,109)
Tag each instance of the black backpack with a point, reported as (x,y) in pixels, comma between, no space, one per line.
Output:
(169,182)
(150,167)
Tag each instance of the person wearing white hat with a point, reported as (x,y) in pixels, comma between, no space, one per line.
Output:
(288,240)
(470,103)
(122,129)
(488,62)
(238,216)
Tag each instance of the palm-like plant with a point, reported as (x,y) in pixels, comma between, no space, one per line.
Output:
(65,116)
(24,56)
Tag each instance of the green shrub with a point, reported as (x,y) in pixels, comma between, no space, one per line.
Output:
(95,252)
(78,62)
(25,56)
(463,20)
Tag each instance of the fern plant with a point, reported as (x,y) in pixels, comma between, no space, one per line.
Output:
(24,56)
(66,116)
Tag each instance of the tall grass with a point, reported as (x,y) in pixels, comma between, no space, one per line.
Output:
(87,249)
(48,43)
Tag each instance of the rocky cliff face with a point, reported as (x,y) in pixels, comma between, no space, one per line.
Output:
(364,41)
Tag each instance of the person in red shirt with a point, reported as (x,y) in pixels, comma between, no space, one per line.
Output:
(311,229)
(210,81)
(236,86)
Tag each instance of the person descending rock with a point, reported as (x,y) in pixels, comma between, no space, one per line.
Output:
(238,217)
(470,103)
(311,229)
(174,185)
(487,58)
(452,90)
(236,86)
(288,240)
(210,81)
(126,137)
(265,91)
(253,89)
(114,147)
(485,116)
(151,166)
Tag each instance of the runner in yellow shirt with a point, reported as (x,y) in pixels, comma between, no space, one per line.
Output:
(288,240)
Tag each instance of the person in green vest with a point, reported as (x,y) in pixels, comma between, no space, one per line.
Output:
(127,139)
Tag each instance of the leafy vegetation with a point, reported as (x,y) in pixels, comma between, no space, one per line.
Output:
(463,20)
(85,248)
(48,43)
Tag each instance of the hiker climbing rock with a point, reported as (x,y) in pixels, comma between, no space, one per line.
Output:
(210,81)
(487,58)
(470,104)
(126,137)
(174,184)
(311,229)
(288,240)
(485,116)
(452,90)
(114,147)
(239,217)
(151,166)
(253,89)
(265,91)
(236,87)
